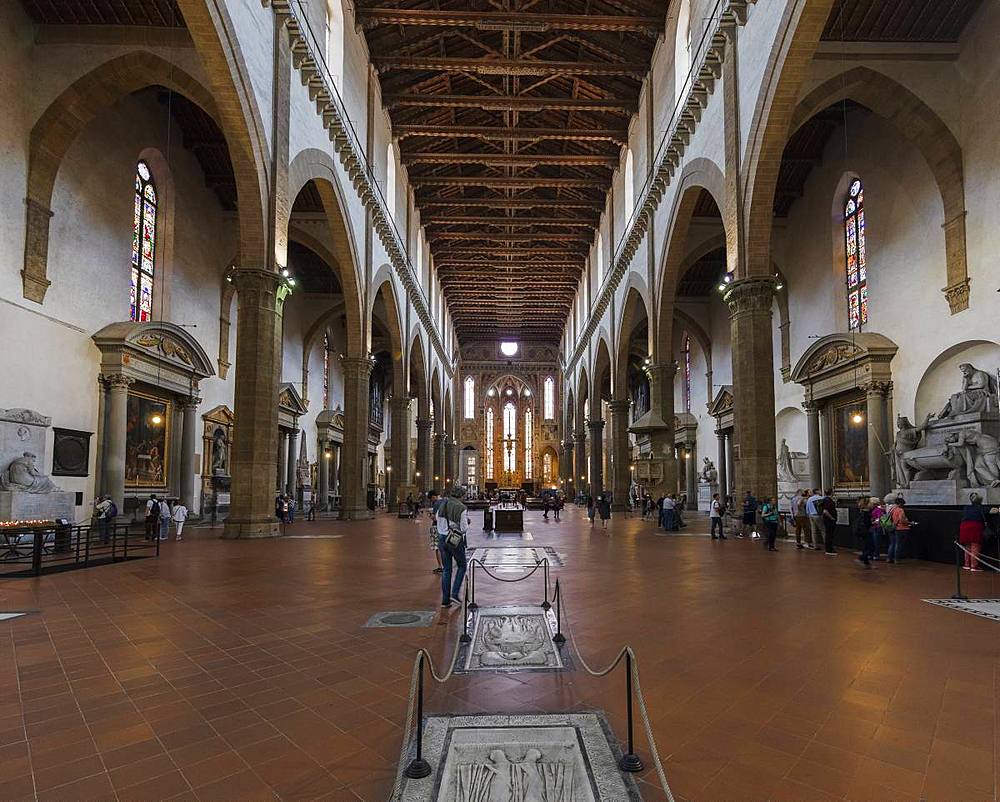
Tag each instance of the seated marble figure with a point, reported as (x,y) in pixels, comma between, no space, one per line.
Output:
(978,393)
(22,476)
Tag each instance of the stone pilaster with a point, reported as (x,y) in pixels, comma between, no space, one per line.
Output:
(439,475)
(425,466)
(291,462)
(691,476)
(813,444)
(189,438)
(596,427)
(749,301)
(450,477)
(114,448)
(878,437)
(279,480)
(255,437)
(722,468)
(399,447)
(622,477)
(353,492)
(34,277)
(580,461)
(567,482)
(324,457)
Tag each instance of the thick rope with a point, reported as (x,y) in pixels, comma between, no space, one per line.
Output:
(981,558)
(490,574)
(647,727)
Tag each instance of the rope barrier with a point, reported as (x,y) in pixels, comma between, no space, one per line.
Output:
(981,558)
(490,574)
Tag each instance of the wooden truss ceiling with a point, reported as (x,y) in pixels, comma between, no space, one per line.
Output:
(150,13)
(899,20)
(703,277)
(511,116)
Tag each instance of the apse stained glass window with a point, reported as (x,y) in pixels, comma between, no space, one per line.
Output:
(549,398)
(509,436)
(857,263)
(143,245)
(529,461)
(489,443)
(470,398)
(547,467)
(326,371)
(687,372)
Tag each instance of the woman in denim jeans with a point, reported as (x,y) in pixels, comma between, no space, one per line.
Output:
(900,533)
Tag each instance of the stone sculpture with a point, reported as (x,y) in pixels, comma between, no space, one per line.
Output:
(503,779)
(708,472)
(514,640)
(981,454)
(978,393)
(220,453)
(908,439)
(786,473)
(21,475)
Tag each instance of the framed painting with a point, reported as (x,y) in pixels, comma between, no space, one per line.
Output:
(850,443)
(147,441)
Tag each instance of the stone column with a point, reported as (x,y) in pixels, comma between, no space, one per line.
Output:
(815,456)
(596,427)
(353,492)
(622,476)
(580,461)
(425,466)
(691,477)
(282,461)
(114,443)
(292,462)
(825,450)
(878,462)
(723,468)
(335,468)
(749,301)
(438,463)
(566,469)
(450,477)
(323,469)
(399,447)
(189,438)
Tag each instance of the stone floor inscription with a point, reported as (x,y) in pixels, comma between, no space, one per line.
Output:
(514,557)
(984,608)
(512,638)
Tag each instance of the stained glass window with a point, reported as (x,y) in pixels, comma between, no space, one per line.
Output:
(143,245)
(529,461)
(470,398)
(687,372)
(326,371)
(509,436)
(857,262)
(489,443)
(550,398)
(547,467)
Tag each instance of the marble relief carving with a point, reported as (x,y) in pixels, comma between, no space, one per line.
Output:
(512,638)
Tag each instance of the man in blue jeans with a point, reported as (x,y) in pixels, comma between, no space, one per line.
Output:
(452,517)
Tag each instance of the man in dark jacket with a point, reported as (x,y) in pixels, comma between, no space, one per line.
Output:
(828,511)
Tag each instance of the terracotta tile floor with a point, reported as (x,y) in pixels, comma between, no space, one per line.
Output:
(241,670)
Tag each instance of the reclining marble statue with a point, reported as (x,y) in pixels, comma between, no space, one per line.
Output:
(22,475)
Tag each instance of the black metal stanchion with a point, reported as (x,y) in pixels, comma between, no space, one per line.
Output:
(466,637)
(545,602)
(472,585)
(419,768)
(957,595)
(558,638)
(630,760)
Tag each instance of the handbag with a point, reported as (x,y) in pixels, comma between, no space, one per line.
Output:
(454,540)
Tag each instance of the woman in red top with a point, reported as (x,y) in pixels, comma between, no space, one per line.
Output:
(900,532)
(970,531)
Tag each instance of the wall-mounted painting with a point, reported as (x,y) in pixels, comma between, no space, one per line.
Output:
(850,443)
(147,441)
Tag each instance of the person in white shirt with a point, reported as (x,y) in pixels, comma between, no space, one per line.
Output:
(799,517)
(452,518)
(715,515)
(180,516)
(816,529)
(164,519)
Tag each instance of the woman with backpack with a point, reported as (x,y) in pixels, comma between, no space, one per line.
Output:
(769,514)
(862,527)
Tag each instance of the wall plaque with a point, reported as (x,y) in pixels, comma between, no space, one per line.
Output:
(70,452)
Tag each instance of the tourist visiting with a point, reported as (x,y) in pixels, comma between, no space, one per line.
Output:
(435,501)
(862,528)
(281,508)
(668,514)
(452,525)
(899,534)
(557,506)
(604,510)
(769,516)
(876,509)
(828,511)
(970,532)
(679,510)
(816,528)
(715,514)
(590,508)
(165,513)
(799,516)
(179,516)
(311,509)
(152,519)
(749,526)
(291,508)
(105,512)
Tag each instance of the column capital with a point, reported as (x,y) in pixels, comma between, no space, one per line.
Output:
(400,403)
(620,406)
(117,381)
(665,369)
(254,278)
(425,423)
(750,296)
(190,402)
(596,425)
(877,387)
(357,367)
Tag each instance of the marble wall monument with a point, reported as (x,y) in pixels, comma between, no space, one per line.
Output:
(26,493)
(708,485)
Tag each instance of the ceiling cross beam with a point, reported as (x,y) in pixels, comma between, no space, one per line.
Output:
(373,17)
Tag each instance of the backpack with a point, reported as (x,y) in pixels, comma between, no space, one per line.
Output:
(886,523)
(112,511)
(154,510)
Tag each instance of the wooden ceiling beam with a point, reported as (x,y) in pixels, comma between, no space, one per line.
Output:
(373,17)
(617,135)
(522,103)
(508,66)
(500,182)
(472,236)
(510,160)
(431,219)
(511,203)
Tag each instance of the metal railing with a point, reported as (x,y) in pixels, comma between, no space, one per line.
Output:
(36,550)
